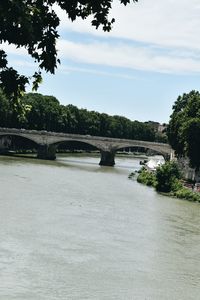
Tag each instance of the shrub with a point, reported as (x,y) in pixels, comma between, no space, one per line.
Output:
(147,178)
(185,193)
(167,177)
(176,185)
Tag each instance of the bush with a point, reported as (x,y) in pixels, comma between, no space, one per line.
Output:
(167,180)
(187,194)
(176,185)
(147,178)
(167,177)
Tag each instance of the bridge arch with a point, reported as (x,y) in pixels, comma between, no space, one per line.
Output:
(53,147)
(16,139)
(76,142)
(164,152)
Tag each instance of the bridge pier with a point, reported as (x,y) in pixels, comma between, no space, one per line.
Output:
(107,158)
(46,152)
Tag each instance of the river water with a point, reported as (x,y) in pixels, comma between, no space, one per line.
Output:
(70,229)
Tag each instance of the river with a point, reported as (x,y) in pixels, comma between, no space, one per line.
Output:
(72,230)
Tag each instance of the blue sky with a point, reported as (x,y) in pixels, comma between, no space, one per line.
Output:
(138,70)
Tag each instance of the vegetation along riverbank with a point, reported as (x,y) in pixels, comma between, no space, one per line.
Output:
(167,179)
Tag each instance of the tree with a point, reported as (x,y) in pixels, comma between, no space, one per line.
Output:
(192,137)
(4,111)
(33,24)
(142,131)
(9,115)
(167,176)
(184,127)
(45,112)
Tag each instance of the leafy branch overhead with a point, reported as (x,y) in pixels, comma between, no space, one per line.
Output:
(33,24)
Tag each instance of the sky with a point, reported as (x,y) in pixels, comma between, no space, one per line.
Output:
(151,56)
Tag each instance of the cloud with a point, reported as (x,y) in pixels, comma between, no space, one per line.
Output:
(126,56)
(22,63)
(165,23)
(12,49)
(67,70)
(158,36)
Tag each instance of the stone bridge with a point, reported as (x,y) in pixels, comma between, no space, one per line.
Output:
(47,142)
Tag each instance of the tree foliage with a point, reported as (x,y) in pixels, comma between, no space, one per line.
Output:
(46,113)
(167,177)
(184,127)
(33,24)
(147,178)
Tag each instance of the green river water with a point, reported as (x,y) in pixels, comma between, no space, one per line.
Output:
(70,229)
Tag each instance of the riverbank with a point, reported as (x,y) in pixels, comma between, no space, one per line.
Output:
(177,190)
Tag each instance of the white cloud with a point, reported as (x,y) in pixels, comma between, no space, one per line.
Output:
(12,49)
(132,57)
(171,23)
(67,70)
(159,36)
(22,63)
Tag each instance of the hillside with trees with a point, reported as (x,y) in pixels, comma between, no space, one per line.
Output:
(46,113)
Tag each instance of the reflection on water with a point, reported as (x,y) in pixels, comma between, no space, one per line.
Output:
(71,229)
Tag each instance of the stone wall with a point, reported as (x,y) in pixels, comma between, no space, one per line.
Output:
(188,172)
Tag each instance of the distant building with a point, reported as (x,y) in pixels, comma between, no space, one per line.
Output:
(157,127)
(162,127)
